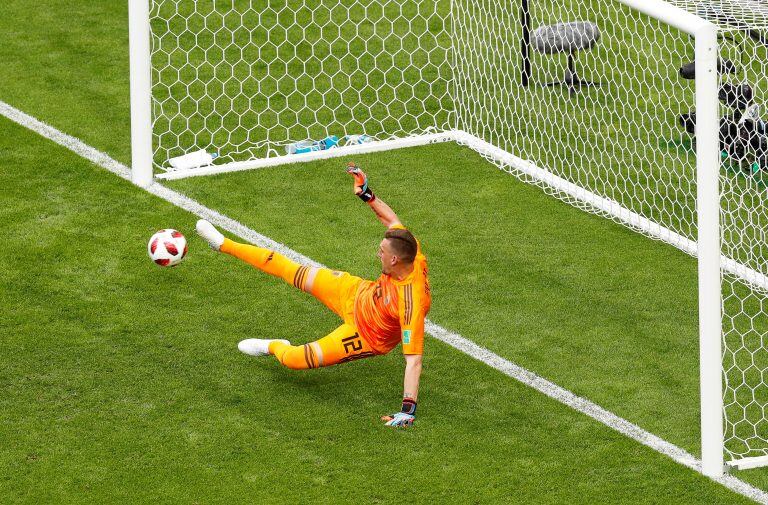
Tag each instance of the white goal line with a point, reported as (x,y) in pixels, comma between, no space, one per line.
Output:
(455,340)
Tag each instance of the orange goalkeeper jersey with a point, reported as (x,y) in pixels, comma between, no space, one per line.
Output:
(390,311)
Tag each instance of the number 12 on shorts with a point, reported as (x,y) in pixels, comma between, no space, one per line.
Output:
(352,344)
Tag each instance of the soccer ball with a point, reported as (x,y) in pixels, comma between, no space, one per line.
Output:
(167,248)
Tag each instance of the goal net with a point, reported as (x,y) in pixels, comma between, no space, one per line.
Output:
(247,78)
(609,126)
(596,101)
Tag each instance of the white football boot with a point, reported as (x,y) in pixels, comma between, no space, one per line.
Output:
(210,234)
(257,346)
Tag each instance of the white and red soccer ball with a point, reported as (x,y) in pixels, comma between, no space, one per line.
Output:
(167,248)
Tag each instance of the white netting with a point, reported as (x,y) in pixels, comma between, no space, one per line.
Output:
(729,14)
(601,123)
(622,142)
(619,139)
(246,77)
(744,220)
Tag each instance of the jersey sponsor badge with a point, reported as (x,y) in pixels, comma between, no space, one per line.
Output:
(406,336)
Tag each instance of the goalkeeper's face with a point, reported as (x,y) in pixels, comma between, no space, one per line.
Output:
(387,257)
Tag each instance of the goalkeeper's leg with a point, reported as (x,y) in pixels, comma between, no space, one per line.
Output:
(342,345)
(267,261)
(335,289)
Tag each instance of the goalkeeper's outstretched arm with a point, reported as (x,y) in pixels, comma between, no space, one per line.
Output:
(383,211)
(407,413)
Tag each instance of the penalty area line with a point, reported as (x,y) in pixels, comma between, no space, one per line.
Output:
(454,340)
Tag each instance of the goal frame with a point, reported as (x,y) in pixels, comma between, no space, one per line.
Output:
(708,244)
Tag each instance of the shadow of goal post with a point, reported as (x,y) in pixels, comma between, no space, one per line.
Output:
(707,154)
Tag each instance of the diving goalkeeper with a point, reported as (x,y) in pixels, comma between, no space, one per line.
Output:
(377,315)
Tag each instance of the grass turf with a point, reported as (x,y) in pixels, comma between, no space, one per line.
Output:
(81,87)
(123,383)
(508,271)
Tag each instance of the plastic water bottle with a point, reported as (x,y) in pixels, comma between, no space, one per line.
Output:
(303,146)
(352,140)
(307,146)
(194,159)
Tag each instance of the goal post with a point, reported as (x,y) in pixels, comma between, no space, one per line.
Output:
(140,92)
(708,213)
(646,112)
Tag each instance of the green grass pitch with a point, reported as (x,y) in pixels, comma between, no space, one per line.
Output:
(122,383)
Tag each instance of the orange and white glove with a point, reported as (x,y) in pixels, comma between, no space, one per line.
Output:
(361,183)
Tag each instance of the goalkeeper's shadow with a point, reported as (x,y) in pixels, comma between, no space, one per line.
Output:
(348,383)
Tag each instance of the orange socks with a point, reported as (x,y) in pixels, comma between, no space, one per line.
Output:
(263,259)
(296,357)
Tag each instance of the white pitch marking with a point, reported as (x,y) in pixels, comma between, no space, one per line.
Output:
(455,340)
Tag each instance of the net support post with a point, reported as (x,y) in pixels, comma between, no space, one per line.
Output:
(141,92)
(708,209)
(525,42)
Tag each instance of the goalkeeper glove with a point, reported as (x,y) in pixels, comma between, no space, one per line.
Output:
(405,417)
(361,183)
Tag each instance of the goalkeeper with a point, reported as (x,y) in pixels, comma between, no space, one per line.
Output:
(377,315)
